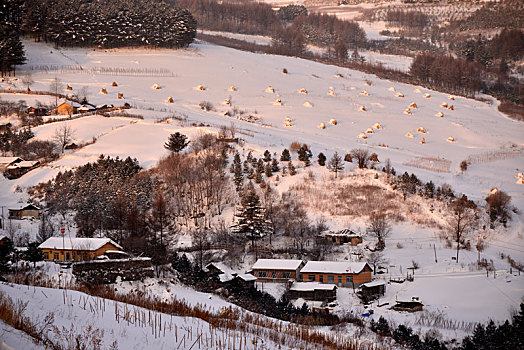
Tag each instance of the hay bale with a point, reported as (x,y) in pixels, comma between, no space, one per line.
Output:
(399,94)
(417,91)
(439,114)
(520,176)
(156,86)
(452,98)
(277,102)
(232,88)
(409,134)
(352,88)
(302,91)
(423,141)
(114,84)
(362,108)
(270,89)
(493,190)
(333,122)
(407,111)
(120,95)
(331,93)
(69,87)
(227,102)
(421,130)
(364,92)
(367,83)
(520,181)
(307,104)
(392,89)
(321,126)
(451,108)
(451,139)
(103,91)
(288,122)
(427,95)
(369,131)
(444,104)
(377,126)
(338,75)
(362,136)
(170,100)
(413,105)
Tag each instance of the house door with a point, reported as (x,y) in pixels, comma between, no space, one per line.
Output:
(68,256)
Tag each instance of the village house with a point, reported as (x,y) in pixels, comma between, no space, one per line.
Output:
(4,240)
(4,127)
(76,249)
(341,273)
(409,306)
(25,211)
(313,291)
(68,108)
(372,290)
(36,111)
(7,161)
(345,236)
(18,169)
(276,270)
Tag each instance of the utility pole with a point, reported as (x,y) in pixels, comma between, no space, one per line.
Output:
(435,251)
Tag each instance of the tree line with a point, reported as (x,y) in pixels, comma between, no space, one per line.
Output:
(11,47)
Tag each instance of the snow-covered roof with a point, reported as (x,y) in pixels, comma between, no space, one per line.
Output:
(26,207)
(24,164)
(76,243)
(310,286)
(345,232)
(226,277)
(339,267)
(71,103)
(9,160)
(222,267)
(373,284)
(277,264)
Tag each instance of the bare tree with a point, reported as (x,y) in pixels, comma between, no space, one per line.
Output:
(63,136)
(463,221)
(335,164)
(83,94)
(362,156)
(55,88)
(376,259)
(27,80)
(380,227)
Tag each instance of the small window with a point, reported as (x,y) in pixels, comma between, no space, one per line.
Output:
(286,274)
(349,279)
(330,279)
(311,278)
(339,279)
(55,256)
(321,278)
(46,256)
(262,274)
(273,274)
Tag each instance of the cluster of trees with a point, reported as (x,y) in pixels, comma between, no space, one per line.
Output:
(290,12)
(503,14)
(109,24)
(11,47)
(8,254)
(407,18)
(13,141)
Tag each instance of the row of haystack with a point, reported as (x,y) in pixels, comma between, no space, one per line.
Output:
(331,121)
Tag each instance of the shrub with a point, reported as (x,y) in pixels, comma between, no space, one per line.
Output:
(206,106)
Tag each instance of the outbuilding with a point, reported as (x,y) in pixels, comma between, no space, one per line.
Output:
(25,211)
(277,270)
(313,291)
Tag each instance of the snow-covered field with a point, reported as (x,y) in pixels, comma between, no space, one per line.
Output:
(479,131)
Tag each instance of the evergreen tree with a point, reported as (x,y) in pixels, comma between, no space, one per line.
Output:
(335,164)
(238,177)
(286,156)
(6,252)
(304,154)
(291,168)
(267,156)
(274,165)
(268,170)
(33,253)
(176,142)
(321,159)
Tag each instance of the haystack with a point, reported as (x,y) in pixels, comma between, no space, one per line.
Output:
(338,75)
(409,134)
(270,89)
(170,100)
(331,93)
(232,88)
(156,86)
(277,102)
(451,108)
(452,98)
(362,108)
(520,176)
(364,92)
(333,122)
(451,139)
(417,91)
(200,87)
(103,91)
(307,104)
(423,141)
(520,181)
(407,111)
(439,114)
(321,126)
(369,131)
(362,136)
(69,87)
(368,83)
(421,130)
(352,88)
(288,122)
(391,89)
(444,104)
(377,126)
(493,190)
(227,102)
(120,95)
(302,91)
(427,95)
(399,94)
(114,84)
(413,105)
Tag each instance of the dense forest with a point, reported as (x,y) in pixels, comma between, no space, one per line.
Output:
(11,48)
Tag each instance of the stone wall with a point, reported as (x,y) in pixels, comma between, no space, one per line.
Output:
(107,271)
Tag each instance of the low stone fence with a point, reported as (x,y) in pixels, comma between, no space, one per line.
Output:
(107,271)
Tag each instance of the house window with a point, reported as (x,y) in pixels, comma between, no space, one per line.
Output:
(321,278)
(286,274)
(349,279)
(68,256)
(46,256)
(339,280)
(55,256)
(311,278)
(273,274)
(330,279)
(262,274)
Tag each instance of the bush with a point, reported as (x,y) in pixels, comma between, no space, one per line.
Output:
(206,106)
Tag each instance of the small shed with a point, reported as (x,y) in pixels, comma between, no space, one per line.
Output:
(8,161)
(345,236)
(25,211)
(313,291)
(277,270)
(18,169)
(372,290)
(409,306)
(36,111)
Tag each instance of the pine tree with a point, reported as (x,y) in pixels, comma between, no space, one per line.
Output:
(286,156)
(304,154)
(335,164)
(267,156)
(268,170)
(291,168)
(274,165)
(321,159)
(176,142)
(33,253)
